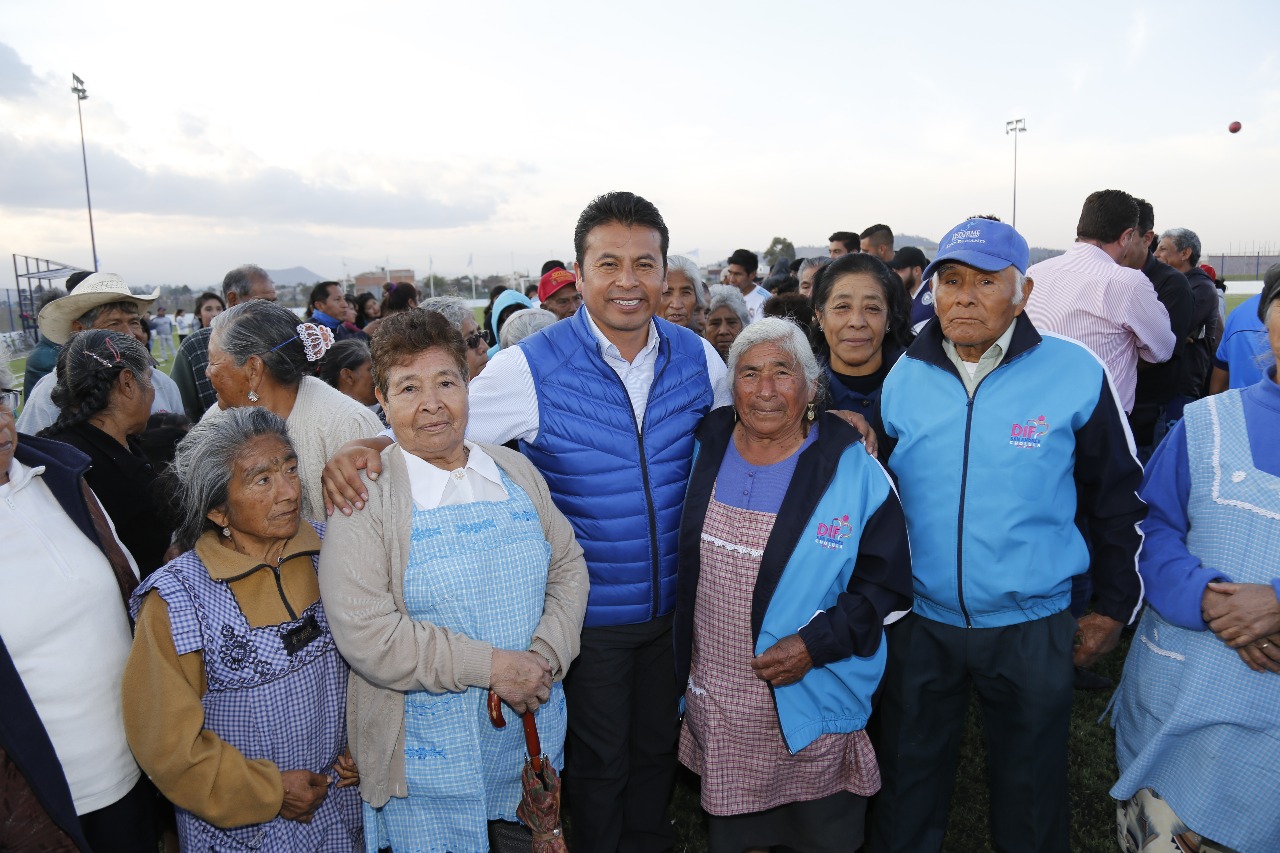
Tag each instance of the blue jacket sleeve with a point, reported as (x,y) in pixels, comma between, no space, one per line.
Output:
(880,584)
(1173,577)
(1107,480)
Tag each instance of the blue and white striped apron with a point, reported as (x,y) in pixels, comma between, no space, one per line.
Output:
(479,569)
(1193,723)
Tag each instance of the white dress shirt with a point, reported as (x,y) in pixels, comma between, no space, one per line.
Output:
(477,480)
(504,402)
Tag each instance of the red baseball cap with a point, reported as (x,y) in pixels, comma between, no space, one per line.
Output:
(553,281)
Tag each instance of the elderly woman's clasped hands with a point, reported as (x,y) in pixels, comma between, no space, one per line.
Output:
(1245,616)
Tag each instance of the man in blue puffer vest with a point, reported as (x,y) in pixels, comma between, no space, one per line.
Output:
(605,404)
(1006,444)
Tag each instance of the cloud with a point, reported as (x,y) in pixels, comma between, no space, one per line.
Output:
(42,175)
(17,80)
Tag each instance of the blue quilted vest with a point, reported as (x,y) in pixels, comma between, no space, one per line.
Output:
(621,488)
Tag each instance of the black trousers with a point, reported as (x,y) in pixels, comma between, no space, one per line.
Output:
(125,826)
(621,749)
(1023,677)
(833,824)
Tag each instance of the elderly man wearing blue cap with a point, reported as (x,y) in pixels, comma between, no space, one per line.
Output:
(1006,444)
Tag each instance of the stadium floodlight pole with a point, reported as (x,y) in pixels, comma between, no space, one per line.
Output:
(1015,126)
(77,87)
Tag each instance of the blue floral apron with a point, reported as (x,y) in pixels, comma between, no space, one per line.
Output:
(1193,723)
(290,710)
(479,569)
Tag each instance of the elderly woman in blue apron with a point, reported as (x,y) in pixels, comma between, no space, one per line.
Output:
(458,577)
(1197,714)
(234,693)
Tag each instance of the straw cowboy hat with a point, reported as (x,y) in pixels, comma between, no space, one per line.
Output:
(99,289)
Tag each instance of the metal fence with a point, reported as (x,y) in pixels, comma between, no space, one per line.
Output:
(1250,267)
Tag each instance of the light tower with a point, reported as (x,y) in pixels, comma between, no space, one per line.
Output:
(77,87)
(1015,126)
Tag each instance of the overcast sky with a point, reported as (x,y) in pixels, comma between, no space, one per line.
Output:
(327,134)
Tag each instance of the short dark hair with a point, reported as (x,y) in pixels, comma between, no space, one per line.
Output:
(850,240)
(881,235)
(895,295)
(746,259)
(1146,216)
(791,306)
(320,293)
(623,208)
(207,296)
(401,337)
(1106,215)
(75,278)
(551,265)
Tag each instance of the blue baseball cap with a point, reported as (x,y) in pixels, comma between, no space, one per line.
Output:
(983,244)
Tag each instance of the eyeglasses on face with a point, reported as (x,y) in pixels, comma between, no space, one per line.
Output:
(9,399)
(473,340)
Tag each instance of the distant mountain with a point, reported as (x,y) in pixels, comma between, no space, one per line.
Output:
(295,275)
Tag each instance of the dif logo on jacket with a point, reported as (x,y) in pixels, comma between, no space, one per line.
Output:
(1030,434)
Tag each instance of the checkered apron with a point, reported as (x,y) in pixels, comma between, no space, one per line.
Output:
(1192,722)
(479,569)
(731,736)
(288,710)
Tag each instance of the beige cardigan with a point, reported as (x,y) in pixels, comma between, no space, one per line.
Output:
(362,566)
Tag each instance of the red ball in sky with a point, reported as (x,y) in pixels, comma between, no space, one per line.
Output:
(1234,127)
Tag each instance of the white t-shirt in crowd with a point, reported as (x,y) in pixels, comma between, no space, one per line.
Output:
(67,631)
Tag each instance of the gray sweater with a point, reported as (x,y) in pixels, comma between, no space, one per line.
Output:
(362,567)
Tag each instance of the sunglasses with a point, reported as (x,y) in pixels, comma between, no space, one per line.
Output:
(473,340)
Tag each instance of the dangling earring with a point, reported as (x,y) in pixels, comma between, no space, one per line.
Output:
(735,415)
(226,531)
(808,415)
(253,396)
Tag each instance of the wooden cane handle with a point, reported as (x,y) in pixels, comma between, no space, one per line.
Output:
(495,711)
(531,741)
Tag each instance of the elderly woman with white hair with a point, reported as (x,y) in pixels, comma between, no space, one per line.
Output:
(683,299)
(727,316)
(523,323)
(477,340)
(793,552)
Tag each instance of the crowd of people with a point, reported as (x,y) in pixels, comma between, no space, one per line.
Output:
(777,529)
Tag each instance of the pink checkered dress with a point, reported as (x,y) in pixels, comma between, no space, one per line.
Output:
(731,736)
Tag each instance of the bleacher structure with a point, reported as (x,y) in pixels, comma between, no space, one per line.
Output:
(32,277)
